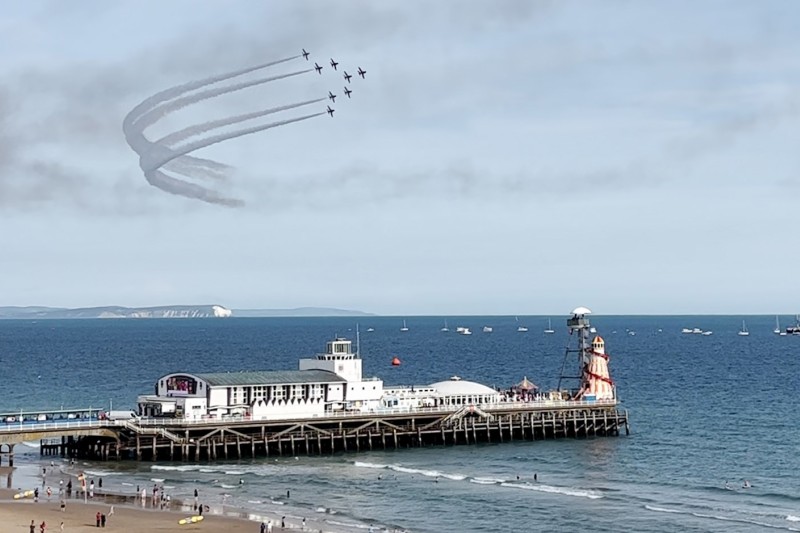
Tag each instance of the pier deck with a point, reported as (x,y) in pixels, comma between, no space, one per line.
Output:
(158,439)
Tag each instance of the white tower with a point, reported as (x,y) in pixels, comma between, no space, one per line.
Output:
(338,358)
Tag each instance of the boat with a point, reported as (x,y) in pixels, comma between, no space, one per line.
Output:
(794,330)
(777,330)
(465,331)
(707,333)
(370,329)
(404,328)
(743,332)
(520,327)
(592,329)
(698,331)
(686,330)
(445,328)
(549,327)
(487,329)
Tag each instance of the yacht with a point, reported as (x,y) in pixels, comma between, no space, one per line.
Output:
(698,331)
(370,329)
(549,327)
(465,331)
(445,328)
(520,327)
(743,332)
(707,333)
(777,330)
(487,329)
(592,329)
(686,330)
(404,328)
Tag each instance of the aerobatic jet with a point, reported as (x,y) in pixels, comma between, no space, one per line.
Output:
(333,64)
(347,76)
(330,111)
(347,92)
(305,54)
(361,72)
(318,68)
(332,97)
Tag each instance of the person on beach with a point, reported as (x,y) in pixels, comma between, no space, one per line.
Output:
(62,527)
(36,495)
(100,483)
(304,523)
(263,528)
(536,477)
(97,519)
(102,520)
(69,486)
(269,526)
(63,506)
(33,527)
(111,512)
(43,527)
(283,522)
(200,510)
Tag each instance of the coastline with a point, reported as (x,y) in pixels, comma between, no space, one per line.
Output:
(129,513)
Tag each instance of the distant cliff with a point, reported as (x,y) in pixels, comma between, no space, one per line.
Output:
(166,311)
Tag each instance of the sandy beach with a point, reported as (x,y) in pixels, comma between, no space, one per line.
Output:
(16,516)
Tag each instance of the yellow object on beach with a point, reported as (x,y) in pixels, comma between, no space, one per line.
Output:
(21,495)
(190,520)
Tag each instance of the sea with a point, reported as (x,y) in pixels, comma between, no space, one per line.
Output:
(706,412)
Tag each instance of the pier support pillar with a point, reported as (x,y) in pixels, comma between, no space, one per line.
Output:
(138,448)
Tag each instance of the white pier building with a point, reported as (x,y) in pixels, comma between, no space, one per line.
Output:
(323,385)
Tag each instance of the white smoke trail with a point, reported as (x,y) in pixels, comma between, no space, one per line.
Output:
(146,119)
(174,138)
(174,92)
(178,187)
(161,155)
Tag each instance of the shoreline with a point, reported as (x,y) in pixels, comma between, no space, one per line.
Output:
(139,517)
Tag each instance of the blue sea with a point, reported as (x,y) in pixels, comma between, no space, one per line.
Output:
(705,411)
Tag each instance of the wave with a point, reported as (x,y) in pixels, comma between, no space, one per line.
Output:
(277,502)
(32,444)
(721,518)
(224,486)
(581,493)
(101,473)
(486,481)
(362,464)
(157,479)
(793,518)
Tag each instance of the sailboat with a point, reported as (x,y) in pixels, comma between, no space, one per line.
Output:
(777,330)
(404,328)
(549,327)
(520,327)
(743,332)
(445,328)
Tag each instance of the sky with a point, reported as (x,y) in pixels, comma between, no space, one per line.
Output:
(500,157)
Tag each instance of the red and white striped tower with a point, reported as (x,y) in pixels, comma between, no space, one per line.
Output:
(596,378)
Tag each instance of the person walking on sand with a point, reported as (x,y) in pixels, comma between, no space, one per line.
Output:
(63,506)
(33,527)
(283,522)
(97,519)
(262,528)
(111,512)
(43,527)
(269,526)
(62,527)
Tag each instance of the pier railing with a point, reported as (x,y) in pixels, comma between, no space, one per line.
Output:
(32,427)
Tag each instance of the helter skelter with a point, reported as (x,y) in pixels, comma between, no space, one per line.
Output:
(594,380)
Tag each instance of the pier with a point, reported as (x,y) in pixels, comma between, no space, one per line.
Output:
(328,406)
(181,440)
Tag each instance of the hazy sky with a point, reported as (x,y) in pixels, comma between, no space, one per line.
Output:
(513,157)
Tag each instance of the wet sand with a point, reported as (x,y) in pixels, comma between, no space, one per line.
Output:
(16,516)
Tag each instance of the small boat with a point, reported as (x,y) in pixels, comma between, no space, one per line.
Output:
(445,328)
(487,329)
(520,327)
(743,332)
(465,331)
(592,329)
(686,330)
(549,327)
(698,331)
(404,328)
(370,329)
(777,330)
(707,333)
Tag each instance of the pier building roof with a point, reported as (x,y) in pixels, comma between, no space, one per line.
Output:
(276,377)
(456,387)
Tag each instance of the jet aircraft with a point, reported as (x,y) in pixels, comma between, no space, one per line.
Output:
(361,72)
(332,97)
(347,76)
(330,111)
(333,64)
(347,92)
(305,54)
(318,68)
